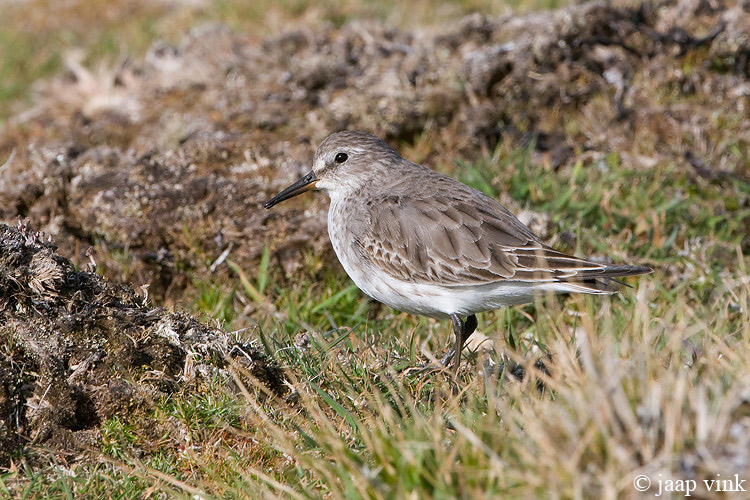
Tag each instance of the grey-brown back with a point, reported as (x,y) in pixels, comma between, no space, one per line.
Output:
(424,227)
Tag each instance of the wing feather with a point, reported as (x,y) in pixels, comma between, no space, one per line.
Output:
(457,236)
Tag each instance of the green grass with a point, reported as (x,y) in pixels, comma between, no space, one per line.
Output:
(37,36)
(631,384)
(641,383)
(625,393)
(79,481)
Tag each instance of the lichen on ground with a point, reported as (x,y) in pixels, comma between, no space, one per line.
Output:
(153,172)
(167,161)
(78,349)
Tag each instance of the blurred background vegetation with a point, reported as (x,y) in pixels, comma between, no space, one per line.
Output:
(35,35)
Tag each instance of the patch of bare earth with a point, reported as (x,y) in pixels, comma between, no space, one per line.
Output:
(76,349)
(168,160)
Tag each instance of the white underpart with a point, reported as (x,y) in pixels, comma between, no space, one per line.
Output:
(434,300)
(440,301)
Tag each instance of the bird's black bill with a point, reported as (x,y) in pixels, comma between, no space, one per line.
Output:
(304,184)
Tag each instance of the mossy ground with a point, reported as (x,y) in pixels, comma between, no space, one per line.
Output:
(570,397)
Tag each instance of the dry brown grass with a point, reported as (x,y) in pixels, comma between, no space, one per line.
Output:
(627,139)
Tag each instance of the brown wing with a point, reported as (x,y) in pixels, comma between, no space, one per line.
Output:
(458,236)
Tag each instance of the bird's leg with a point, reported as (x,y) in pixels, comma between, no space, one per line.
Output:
(470,325)
(462,330)
(468,328)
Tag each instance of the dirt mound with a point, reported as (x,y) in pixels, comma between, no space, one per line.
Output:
(166,161)
(76,349)
(163,164)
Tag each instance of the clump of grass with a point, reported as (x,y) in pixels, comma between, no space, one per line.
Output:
(118,438)
(639,386)
(652,382)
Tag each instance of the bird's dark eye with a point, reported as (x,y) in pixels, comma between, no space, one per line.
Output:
(341,157)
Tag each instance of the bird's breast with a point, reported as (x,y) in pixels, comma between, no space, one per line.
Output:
(345,225)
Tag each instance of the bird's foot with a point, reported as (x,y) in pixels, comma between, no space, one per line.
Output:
(448,358)
(426,368)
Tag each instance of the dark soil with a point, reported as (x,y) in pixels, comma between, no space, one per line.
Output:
(164,163)
(167,161)
(76,349)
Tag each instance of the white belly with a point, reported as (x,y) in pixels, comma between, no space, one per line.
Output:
(430,299)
